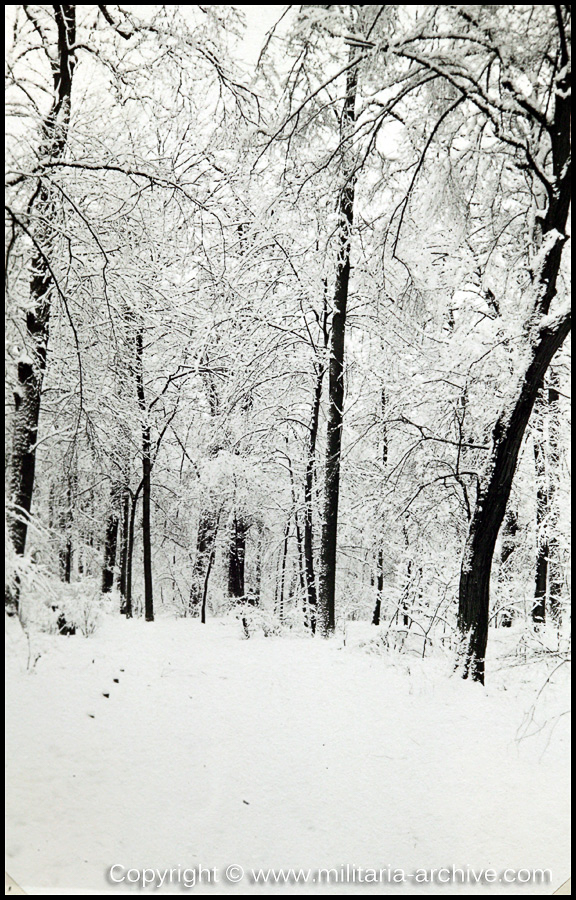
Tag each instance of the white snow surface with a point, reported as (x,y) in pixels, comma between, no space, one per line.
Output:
(270,752)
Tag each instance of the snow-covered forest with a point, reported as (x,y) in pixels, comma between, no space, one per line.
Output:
(287,443)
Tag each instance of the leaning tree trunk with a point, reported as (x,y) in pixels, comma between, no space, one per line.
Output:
(546,336)
(32,367)
(493,494)
(327,580)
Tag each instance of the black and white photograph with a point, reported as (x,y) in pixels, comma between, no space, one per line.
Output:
(287,449)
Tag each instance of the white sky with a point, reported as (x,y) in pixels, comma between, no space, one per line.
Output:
(259,20)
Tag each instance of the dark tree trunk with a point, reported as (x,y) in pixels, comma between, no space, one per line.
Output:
(66,561)
(493,495)
(236,559)
(146,481)
(110,547)
(30,372)
(327,581)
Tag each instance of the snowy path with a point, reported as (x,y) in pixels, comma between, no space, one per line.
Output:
(212,750)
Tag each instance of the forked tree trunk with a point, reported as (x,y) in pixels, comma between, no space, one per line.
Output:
(32,366)
(327,580)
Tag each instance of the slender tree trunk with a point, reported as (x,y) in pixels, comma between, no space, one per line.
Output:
(212,537)
(124,548)
(312,597)
(283,570)
(130,556)
(205,540)
(336,372)
(146,481)
(32,366)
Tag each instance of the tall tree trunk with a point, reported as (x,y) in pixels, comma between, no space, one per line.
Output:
(146,480)
(493,495)
(32,367)
(327,580)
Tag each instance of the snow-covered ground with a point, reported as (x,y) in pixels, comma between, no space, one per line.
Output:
(174,744)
